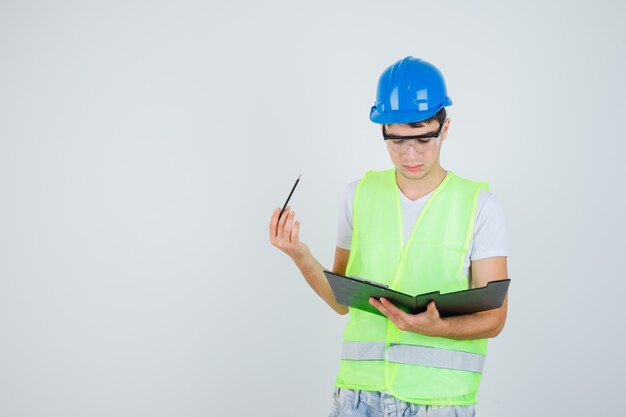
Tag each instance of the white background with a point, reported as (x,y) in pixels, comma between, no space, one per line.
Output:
(144,145)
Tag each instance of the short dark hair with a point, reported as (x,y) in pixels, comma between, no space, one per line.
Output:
(440,117)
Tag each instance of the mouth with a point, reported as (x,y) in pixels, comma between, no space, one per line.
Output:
(413,167)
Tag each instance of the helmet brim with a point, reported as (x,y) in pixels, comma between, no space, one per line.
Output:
(397,117)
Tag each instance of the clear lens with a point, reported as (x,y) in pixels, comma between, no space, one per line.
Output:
(420,145)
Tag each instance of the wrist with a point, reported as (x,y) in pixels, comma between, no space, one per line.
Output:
(444,328)
(301,259)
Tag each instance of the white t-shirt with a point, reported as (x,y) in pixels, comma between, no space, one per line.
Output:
(488,240)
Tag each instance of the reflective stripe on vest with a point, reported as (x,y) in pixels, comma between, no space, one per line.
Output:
(363,351)
(414,355)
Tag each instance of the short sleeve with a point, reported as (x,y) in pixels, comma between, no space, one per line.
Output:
(490,238)
(344,222)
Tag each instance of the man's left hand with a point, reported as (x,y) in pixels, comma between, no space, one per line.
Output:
(428,323)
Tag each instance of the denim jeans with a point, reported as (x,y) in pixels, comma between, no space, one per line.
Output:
(356,403)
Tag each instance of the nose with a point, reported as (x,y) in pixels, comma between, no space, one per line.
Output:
(412,148)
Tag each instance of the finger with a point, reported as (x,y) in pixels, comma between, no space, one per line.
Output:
(281,223)
(379,305)
(295,233)
(274,223)
(431,309)
(376,303)
(289,225)
(392,309)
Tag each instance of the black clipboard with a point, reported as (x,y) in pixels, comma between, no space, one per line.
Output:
(355,292)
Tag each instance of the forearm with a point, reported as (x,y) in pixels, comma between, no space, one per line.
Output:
(473,326)
(485,323)
(313,273)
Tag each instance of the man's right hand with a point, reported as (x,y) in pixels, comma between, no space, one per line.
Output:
(284,234)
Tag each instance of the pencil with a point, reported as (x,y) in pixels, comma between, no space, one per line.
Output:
(292,190)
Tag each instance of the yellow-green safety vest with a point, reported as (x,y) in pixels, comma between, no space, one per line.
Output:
(376,355)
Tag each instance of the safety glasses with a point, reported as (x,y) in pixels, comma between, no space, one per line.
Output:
(420,143)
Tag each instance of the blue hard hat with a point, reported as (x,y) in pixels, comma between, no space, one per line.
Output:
(411,90)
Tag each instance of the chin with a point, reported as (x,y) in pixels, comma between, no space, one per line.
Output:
(413,176)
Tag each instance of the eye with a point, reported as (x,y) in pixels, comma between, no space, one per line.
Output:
(397,141)
(424,141)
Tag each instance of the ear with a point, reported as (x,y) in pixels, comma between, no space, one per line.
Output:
(446,126)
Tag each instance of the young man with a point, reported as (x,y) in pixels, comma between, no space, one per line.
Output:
(417,228)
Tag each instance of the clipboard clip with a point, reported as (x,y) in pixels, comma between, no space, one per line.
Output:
(374,283)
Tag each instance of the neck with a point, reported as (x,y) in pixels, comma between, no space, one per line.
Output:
(419,187)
